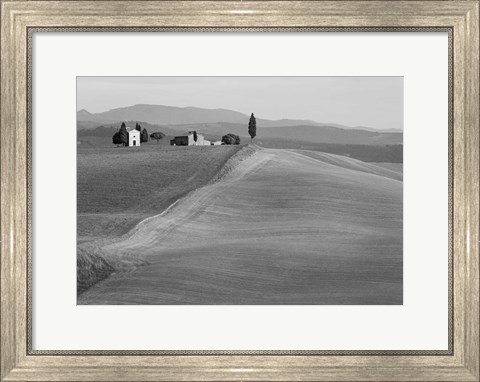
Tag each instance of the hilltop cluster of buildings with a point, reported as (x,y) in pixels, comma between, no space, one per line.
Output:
(181,140)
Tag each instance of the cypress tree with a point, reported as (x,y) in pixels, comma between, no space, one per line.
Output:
(144,136)
(138,127)
(123,134)
(252,127)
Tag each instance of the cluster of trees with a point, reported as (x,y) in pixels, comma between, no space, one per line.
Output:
(121,136)
(231,139)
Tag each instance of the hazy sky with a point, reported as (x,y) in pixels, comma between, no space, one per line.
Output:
(375,102)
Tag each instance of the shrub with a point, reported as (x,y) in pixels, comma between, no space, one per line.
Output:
(231,139)
(116,139)
(157,136)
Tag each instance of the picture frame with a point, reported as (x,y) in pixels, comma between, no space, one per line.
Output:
(20,19)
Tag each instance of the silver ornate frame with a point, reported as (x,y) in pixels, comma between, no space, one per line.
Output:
(21,19)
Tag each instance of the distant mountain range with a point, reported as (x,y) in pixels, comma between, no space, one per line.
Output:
(171,115)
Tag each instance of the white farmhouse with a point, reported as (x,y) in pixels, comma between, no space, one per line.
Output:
(133,136)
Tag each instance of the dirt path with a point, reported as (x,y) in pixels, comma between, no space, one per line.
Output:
(284,227)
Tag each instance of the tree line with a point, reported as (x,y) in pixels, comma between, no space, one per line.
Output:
(121,136)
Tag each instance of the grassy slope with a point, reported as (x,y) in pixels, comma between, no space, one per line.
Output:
(285,227)
(118,187)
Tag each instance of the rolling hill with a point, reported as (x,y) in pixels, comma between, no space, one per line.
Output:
(360,144)
(334,236)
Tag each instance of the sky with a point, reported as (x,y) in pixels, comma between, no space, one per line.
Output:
(375,102)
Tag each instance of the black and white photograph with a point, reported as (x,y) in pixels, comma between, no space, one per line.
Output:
(239,190)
